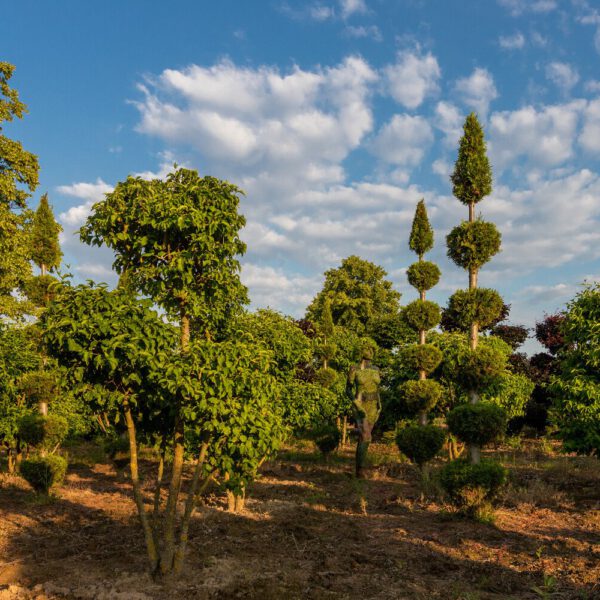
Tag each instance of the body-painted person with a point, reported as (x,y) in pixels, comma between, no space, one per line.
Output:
(363,386)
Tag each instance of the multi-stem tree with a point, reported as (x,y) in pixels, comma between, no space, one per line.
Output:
(421,442)
(470,245)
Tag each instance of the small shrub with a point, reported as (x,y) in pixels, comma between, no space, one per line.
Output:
(424,356)
(327,438)
(423,275)
(325,377)
(471,488)
(44,472)
(422,314)
(421,394)
(45,432)
(420,443)
(478,424)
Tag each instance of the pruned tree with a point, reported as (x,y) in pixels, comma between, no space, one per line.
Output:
(45,247)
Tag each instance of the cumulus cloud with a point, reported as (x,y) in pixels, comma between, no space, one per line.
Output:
(90,192)
(353,7)
(590,133)
(516,41)
(563,75)
(403,140)
(413,78)
(449,120)
(477,90)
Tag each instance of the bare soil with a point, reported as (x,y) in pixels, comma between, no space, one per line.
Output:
(310,530)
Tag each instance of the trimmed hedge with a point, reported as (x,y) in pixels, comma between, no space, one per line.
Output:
(481,367)
(44,472)
(471,245)
(478,305)
(426,357)
(423,275)
(478,424)
(421,395)
(422,314)
(420,443)
(327,438)
(43,431)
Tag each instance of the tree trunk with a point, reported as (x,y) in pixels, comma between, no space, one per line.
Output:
(185,332)
(43,408)
(471,212)
(10,458)
(344,431)
(159,478)
(137,491)
(43,269)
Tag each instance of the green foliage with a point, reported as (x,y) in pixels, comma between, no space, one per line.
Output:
(471,245)
(44,472)
(306,405)
(17,167)
(326,437)
(358,293)
(478,305)
(326,377)
(480,368)
(422,314)
(178,241)
(472,176)
(38,386)
(115,445)
(325,350)
(470,486)
(420,443)
(423,275)
(576,388)
(45,432)
(478,424)
(40,289)
(510,391)
(389,331)
(421,233)
(326,325)
(421,395)
(426,357)
(45,248)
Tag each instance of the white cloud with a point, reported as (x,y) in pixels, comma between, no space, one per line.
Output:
(90,192)
(590,132)
(516,41)
(593,86)
(364,31)
(542,136)
(442,168)
(477,90)
(353,7)
(403,140)
(320,12)
(518,7)
(413,78)
(449,120)
(563,75)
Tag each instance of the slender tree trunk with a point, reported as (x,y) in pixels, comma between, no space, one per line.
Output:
(43,269)
(344,431)
(185,332)
(43,408)
(471,212)
(10,458)
(137,491)
(190,503)
(157,489)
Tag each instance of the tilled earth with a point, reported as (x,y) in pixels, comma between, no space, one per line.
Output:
(310,530)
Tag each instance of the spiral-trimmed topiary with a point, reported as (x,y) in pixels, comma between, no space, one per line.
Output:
(422,314)
(421,395)
(423,275)
(43,431)
(477,305)
(44,472)
(420,443)
(480,367)
(326,377)
(425,357)
(470,486)
(479,423)
(472,244)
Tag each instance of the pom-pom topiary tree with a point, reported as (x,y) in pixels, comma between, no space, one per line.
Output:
(421,442)
(470,245)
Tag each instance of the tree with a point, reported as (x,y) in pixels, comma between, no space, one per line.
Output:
(358,294)
(576,408)
(18,179)
(45,248)
(470,245)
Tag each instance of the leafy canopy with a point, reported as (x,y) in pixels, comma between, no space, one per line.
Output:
(45,248)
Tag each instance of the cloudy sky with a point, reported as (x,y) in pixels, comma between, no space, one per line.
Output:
(335,117)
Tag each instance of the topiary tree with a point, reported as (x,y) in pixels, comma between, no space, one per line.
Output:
(45,247)
(470,245)
(421,396)
(576,387)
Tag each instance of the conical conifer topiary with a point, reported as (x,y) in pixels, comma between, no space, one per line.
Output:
(421,442)
(45,247)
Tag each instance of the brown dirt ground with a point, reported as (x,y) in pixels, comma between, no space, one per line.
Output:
(310,530)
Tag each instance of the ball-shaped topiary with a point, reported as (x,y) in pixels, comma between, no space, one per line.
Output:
(44,472)
(327,437)
(420,443)
(325,377)
(421,395)
(423,275)
(326,350)
(470,486)
(43,431)
(38,386)
(424,357)
(422,314)
(472,244)
(478,424)
(479,305)
(480,368)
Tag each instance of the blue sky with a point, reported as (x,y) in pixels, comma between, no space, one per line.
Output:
(335,117)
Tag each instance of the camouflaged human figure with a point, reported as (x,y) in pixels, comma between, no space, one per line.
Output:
(363,386)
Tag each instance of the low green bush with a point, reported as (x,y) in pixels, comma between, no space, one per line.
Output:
(478,424)
(44,472)
(325,377)
(472,487)
(45,432)
(326,437)
(420,443)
